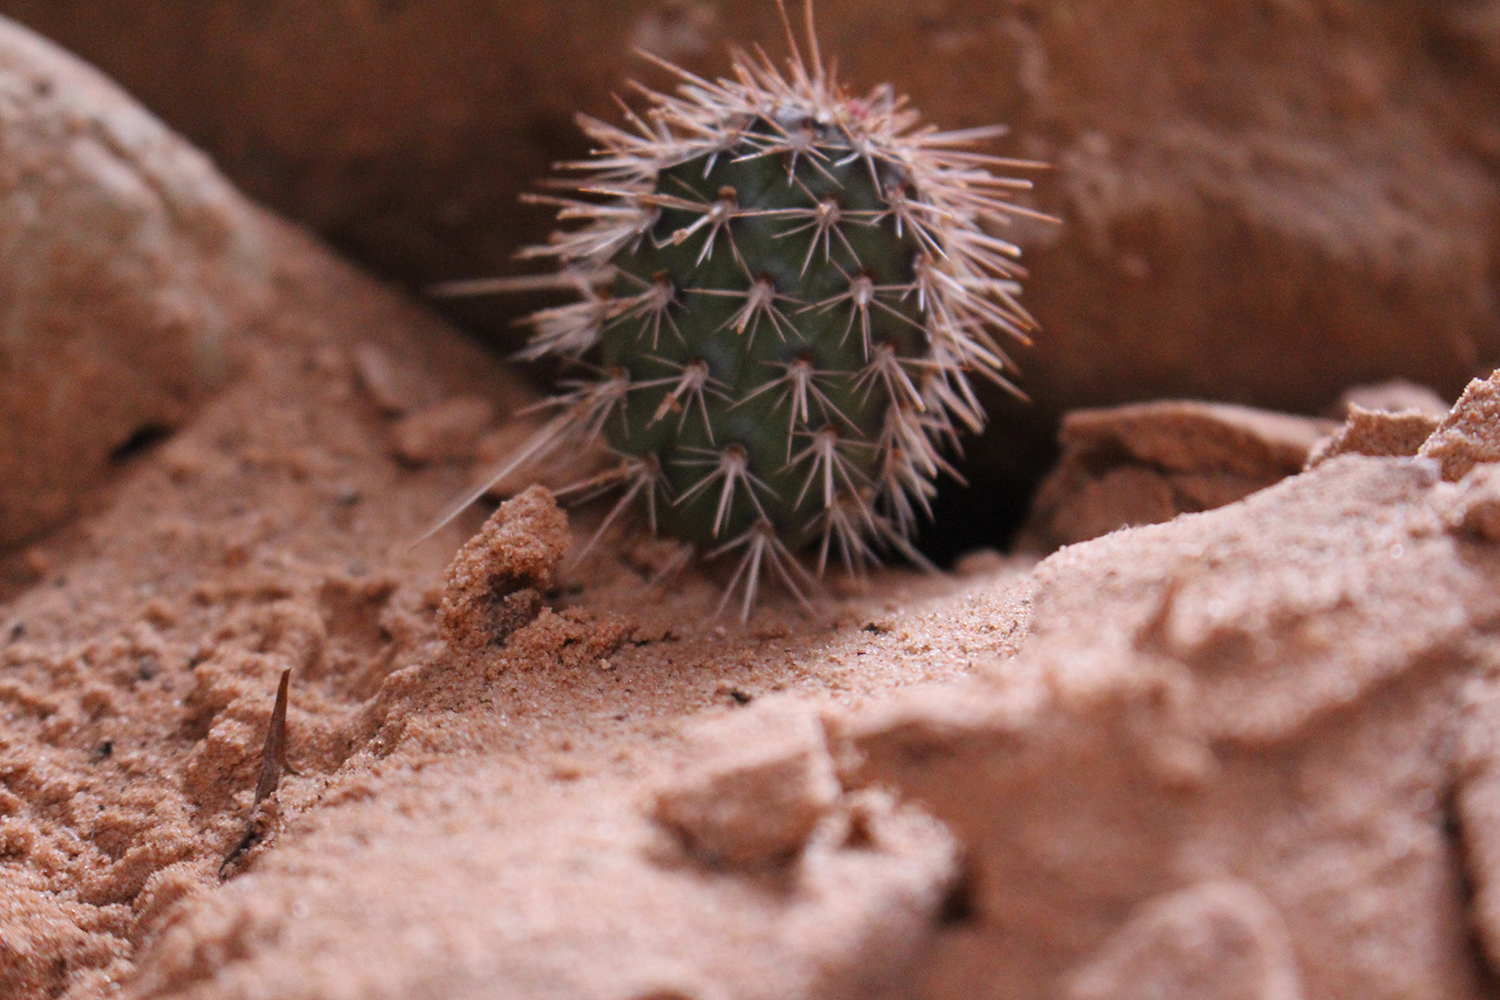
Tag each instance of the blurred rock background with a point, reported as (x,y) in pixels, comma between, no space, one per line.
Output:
(1266,201)
(131,268)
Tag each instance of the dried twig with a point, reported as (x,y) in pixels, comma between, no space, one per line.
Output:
(272,763)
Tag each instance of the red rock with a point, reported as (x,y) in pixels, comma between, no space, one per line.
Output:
(132,267)
(445,432)
(757,785)
(390,389)
(1379,433)
(1258,692)
(1211,940)
(1475,505)
(491,587)
(1396,396)
(1148,462)
(1471,433)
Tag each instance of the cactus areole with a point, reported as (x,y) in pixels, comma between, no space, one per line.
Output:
(783,292)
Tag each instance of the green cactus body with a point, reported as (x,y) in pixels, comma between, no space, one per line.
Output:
(758,303)
(783,292)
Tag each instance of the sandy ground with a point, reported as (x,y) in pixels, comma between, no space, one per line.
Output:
(1256,723)
(277,530)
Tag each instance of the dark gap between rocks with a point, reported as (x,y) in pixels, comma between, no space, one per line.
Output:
(140,442)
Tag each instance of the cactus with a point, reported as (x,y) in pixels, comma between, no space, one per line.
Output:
(782,292)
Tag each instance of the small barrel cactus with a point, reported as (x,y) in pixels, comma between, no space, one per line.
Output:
(783,290)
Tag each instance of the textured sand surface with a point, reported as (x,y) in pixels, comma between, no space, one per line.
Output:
(275,530)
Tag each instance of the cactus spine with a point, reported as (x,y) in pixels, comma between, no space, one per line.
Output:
(783,290)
